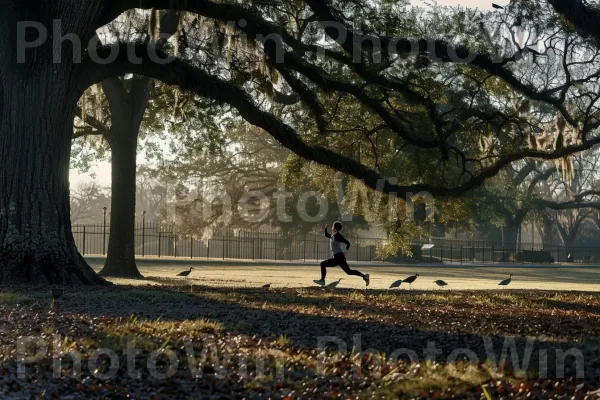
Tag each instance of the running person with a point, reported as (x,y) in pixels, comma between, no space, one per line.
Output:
(339,256)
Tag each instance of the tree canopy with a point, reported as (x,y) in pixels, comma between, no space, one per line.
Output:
(405,99)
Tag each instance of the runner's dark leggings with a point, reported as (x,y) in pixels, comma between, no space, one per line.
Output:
(338,259)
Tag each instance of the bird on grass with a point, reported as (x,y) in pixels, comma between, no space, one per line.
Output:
(396,284)
(268,285)
(506,282)
(334,283)
(410,280)
(185,274)
(440,283)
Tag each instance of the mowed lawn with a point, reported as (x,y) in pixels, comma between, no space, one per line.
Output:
(255,274)
(177,339)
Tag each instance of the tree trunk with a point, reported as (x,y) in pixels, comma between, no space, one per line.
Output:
(568,238)
(512,229)
(547,230)
(127,112)
(37,97)
(511,236)
(120,259)
(36,126)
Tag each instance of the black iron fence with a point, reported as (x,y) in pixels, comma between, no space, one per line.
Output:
(160,240)
(480,251)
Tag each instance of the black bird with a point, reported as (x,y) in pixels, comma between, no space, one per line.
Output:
(396,284)
(410,280)
(185,273)
(268,285)
(497,7)
(506,282)
(440,283)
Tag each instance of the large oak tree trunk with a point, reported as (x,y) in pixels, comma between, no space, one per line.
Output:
(37,244)
(511,237)
(120,259)
(512,227)
(547,230)
(37,99)
(127,112)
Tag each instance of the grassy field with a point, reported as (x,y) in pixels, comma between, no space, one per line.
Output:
(231,274)
(181,340)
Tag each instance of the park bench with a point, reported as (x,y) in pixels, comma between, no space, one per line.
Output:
(533,256)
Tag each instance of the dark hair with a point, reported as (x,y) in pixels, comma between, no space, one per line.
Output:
(337,225)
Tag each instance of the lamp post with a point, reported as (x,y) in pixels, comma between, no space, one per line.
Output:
(104,232)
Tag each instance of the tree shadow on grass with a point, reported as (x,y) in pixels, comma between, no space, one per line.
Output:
(303,317)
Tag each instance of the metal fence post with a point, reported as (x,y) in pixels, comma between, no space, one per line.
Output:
(159,241)
(84,240)
(304,249)
(484,250)
(192,247)
(143,233)
(103,233)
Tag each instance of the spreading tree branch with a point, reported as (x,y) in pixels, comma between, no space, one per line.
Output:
(191,78)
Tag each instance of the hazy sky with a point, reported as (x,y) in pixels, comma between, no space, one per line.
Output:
(482,5)
(102,170)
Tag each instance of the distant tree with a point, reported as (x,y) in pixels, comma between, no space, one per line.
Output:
(87,202)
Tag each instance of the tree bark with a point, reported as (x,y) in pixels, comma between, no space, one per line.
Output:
(511,236)
(36,241)
(568,236)
(120,259)
(127,112)
(512,227)
(547,231)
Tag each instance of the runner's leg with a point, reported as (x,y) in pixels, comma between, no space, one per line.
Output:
(344,264)
(332,262)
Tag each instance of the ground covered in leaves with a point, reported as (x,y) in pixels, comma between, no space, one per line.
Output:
(175,340)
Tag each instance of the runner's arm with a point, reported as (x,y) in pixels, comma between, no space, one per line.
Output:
(339,238)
